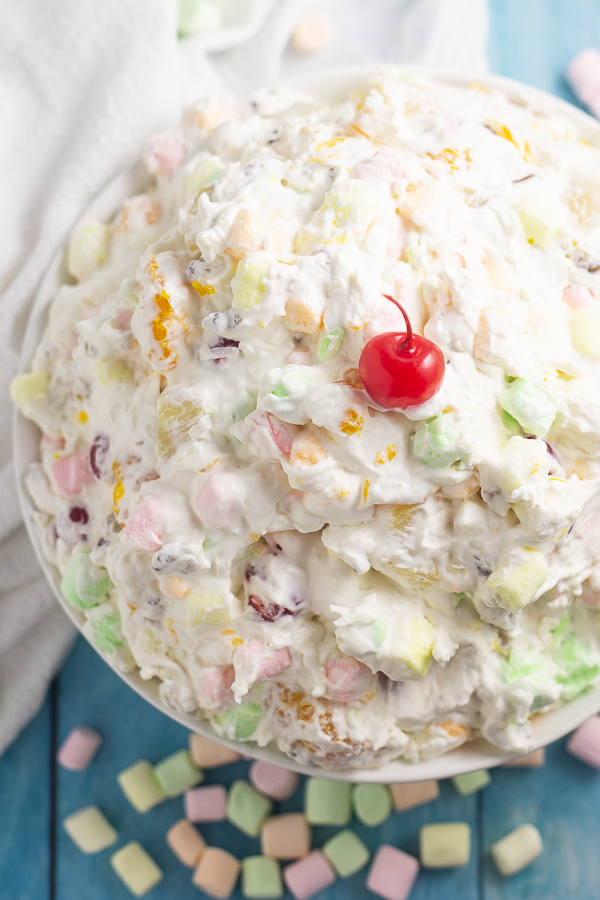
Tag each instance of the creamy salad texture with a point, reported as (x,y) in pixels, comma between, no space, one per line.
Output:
(225,503)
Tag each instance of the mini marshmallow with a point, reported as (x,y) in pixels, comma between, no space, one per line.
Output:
(209,754)
(78,749)
(308,876)
(530,761)
(286,837)
(217,873)
(372,803)
(346,853)
(274,781)
(90,830)
(327,802)
(206,804)
(583,75)
(517,849)
(136,868)
(392,873)
(186,842)
(445,845)
(177,773)
(585,742)
(311,34)
(246,808)
(140,786)
(261,878)
(407,796)
(469,782)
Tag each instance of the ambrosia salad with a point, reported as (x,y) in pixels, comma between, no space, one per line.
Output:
(226,503)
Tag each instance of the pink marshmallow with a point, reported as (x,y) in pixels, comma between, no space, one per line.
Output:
(274,781)
(205,804)
(72,472)
(166,152)
(78,749)
(583,74)
(273,663)
(576,296)
(348,678)
(308,876)
(392,873)
(212,686)
(143,530)
(214,503)
(585,742)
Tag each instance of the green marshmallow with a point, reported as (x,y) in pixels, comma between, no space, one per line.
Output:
(85,585)
(246,808)
(445,845)
(242,721)
(538,221)
(529,405)
(261,878)
(372,803)
(346,853)
(177,773)
(435,441)
(521,664)
(577,664)
(199,17)
(328,802)
(106,633)
(330,343)
(140,786)
(470,782)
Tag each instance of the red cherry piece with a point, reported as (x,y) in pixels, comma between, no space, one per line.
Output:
(268,612)
(401,369)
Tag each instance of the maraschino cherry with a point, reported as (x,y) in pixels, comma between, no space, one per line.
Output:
(401,369)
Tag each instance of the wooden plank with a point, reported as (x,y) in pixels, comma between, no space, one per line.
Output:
(25,812)
(533,41)
(562,800)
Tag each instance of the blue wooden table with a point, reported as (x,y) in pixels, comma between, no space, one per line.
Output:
(531,40)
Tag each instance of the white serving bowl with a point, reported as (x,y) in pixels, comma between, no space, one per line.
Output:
(548,727)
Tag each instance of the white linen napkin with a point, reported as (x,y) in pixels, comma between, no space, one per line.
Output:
(82,86)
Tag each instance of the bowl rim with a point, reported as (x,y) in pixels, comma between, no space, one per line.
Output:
(326,85)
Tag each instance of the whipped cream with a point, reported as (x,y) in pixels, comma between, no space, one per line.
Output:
(229,509)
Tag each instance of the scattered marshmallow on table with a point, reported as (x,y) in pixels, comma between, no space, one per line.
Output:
(392,873)
(286,837)
(78,749)
(186,842)
(328,802)
(209,754)
(585,742)
(308,876)
(469,782)
(311,34)
(246,808)
(274,781)
(583,75)
(517,849)
(407,796)
(136,868)
(217,873)
(346,853)
(530,761)
(90,830)
(206,804)
(445,845)
(140,786)
(261,878)
(177,773)
(372,803)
